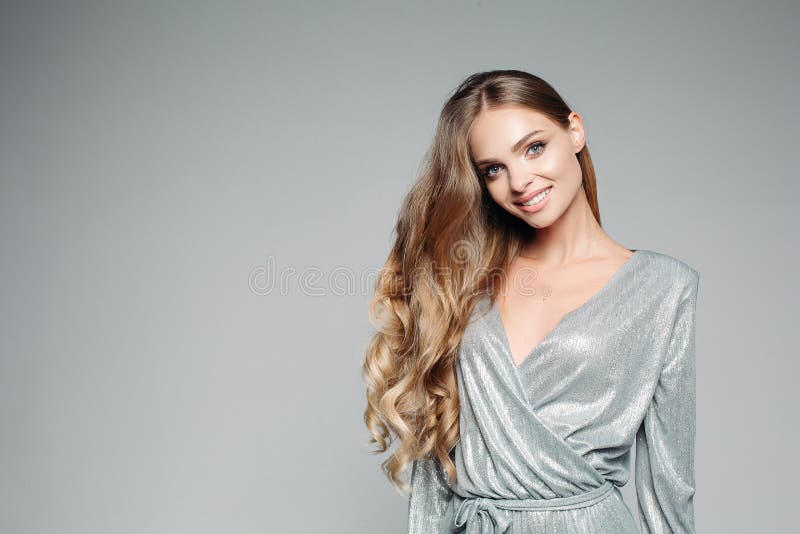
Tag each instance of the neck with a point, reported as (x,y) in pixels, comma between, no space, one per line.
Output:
(575,235)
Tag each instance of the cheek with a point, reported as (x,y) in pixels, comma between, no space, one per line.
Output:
(495,189)
(561,167)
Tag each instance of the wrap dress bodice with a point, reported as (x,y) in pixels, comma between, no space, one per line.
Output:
(545,446)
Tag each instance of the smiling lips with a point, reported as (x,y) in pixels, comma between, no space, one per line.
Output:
(539,195)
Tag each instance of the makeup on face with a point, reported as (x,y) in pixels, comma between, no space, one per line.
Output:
(520,157)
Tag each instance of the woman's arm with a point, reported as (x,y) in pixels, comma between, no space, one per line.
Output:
(430,503)
(665,477)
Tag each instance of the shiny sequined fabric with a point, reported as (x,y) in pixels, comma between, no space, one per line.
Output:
(545,446)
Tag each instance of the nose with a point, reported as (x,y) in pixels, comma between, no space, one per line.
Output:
(519,178)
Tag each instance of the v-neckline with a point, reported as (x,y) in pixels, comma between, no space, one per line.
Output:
(595,296)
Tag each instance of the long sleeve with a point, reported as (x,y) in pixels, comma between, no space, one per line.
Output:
(665,442)
(430,502)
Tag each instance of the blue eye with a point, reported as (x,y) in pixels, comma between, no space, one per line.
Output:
(539,145)
(486,172)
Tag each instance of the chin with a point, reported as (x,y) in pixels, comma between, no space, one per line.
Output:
(539,220)
(538,225)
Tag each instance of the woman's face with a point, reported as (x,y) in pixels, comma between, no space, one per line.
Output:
(520,153)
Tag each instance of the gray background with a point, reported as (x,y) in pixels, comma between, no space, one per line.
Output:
(157,158)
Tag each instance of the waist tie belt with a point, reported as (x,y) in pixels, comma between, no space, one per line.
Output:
(482,512)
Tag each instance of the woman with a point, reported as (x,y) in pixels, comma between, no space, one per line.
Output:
(521,351)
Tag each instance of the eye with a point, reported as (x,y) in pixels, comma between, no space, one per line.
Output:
(486,173)
(539,145)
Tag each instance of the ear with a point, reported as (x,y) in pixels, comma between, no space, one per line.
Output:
(576,132)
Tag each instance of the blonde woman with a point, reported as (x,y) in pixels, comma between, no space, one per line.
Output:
(521,352)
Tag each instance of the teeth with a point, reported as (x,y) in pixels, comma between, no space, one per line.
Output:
(538,198)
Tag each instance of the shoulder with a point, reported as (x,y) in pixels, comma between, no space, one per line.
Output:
(672,273)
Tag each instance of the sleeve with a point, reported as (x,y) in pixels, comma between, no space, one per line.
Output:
(430,502)
(665,441)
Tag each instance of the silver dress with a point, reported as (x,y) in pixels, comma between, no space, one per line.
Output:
(545,446)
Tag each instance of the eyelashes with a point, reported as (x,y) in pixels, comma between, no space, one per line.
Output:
(539,145)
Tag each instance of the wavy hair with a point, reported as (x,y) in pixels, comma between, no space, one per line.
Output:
(453,243)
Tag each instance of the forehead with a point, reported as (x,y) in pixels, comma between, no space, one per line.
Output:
(494,131)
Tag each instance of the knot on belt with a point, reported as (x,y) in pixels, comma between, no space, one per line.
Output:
(490,519)
(483,515)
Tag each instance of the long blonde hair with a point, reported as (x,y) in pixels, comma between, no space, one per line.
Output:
(453,244)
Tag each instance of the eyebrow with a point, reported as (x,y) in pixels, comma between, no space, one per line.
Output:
(519,144)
